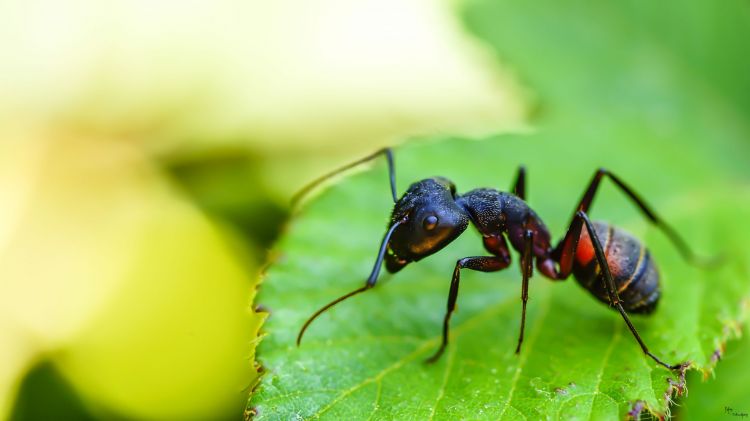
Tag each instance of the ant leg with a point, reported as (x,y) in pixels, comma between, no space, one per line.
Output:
(391,175)
(497,246)
(588,197)
(371,280)
(479,263)
(614,298)
(519,186)
(566,250)
(527,268)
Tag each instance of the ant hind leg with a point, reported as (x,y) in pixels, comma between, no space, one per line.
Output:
(609,283)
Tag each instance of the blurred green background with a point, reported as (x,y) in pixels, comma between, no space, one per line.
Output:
(148,151)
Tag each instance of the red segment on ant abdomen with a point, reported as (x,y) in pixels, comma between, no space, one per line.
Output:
(633,271)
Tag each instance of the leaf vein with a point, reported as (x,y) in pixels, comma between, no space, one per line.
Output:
(605,360)
(441,392)
(377,400)
(427,345)
(532,338)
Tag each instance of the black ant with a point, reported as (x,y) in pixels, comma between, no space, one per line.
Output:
(608,262)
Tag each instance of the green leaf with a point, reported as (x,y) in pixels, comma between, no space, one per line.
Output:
(725,393)
(364,357)
(655,91)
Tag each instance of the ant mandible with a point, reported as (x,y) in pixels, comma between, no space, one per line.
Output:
(608,262)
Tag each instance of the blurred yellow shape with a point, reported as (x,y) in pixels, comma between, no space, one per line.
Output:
(291,80)
(106,270)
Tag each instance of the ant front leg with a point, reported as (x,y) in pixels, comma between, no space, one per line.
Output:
(579,220)
(479,263)
(527,269)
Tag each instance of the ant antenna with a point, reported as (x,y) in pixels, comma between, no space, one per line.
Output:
(391,172)
(369,284)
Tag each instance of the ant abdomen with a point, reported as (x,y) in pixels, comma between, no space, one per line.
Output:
(633,270)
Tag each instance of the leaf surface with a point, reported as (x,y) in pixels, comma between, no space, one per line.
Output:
(725,393)
(364,358)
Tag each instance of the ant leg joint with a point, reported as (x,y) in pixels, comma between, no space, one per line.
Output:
(461,263)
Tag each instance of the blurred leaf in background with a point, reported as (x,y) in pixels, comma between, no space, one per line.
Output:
(678,71)
(224,182)
(44,383)
(147,153)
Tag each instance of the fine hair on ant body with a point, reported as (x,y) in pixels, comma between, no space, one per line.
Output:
(608,262)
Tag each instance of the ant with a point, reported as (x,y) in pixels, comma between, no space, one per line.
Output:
(605,260)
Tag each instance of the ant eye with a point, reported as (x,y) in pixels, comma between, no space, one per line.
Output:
(430,222)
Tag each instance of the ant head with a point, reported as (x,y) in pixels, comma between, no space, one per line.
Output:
(430,220)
